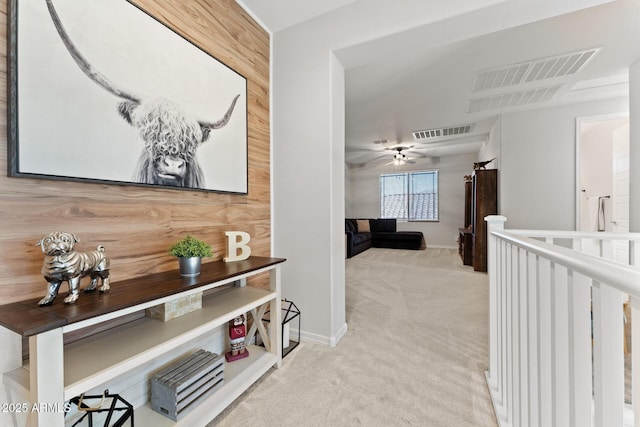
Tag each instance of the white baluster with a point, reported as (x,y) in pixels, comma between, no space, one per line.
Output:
(523,419)
(534,343)
(634,253)
(514,356)
(635,358)
(608,360)
(560,343)
(607,249)
(544,348)
(580,351)
(508,341)
(502,331)
(576,244)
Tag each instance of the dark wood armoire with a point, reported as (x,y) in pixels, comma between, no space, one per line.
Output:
(465,238)
(482,201)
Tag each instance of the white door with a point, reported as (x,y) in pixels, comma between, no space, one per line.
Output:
(620,194)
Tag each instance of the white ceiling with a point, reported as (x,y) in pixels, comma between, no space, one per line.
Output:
(422,76)
(280,14)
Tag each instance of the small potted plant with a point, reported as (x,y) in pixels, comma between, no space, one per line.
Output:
(190,252)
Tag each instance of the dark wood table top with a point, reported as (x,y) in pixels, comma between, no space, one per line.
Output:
(27,318)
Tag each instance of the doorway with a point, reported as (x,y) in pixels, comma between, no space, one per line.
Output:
(602,198)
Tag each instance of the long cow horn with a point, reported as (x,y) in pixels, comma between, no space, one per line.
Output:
(84,65)
(223,121)
(207,127)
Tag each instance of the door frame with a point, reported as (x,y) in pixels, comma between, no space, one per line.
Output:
(579,122)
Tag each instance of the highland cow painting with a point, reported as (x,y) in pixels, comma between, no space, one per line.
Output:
(100,91)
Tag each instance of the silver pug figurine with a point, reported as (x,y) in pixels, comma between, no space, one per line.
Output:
(62,263)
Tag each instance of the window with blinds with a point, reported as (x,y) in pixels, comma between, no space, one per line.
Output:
(409,196)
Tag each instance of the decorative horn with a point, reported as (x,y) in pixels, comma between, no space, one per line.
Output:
(206,127)
(84,65)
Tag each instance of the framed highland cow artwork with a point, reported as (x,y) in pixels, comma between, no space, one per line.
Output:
(100,91)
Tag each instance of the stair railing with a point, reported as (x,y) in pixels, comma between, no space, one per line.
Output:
(556,323)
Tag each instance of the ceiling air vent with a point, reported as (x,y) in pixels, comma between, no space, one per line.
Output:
(513,99)
(381,141)
(533,71)
(441,132)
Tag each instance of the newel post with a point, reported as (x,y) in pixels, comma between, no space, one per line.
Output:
(494,223)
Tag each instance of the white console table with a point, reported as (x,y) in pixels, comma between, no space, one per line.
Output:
(56,372)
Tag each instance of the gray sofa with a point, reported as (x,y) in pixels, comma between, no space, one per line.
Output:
(362,234)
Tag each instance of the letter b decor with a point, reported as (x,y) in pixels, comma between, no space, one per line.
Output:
(237,246)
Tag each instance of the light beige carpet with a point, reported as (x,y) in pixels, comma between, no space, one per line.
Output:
(415,352)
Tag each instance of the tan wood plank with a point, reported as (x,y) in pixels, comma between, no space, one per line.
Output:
(137,224)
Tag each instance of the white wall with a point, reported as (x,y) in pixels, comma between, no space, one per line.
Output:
(491,148)
(538,164)
(634,147)
(308,142)
(302,181)
(307,134)
(365,198)
(338,325)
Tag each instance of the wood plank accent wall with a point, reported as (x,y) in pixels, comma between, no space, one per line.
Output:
(135,224)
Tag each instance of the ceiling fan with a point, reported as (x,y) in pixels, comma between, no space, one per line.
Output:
(399,158)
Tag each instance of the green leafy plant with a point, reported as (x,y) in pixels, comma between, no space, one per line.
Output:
(189,246)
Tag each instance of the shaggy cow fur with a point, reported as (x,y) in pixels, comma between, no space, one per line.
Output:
(171,137)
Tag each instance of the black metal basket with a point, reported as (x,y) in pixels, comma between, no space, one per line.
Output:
(109,409)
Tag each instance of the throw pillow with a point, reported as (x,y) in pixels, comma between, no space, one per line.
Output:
(363,226)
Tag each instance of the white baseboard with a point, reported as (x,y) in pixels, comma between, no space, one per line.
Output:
(498,410)
(441,247)
(337,337)
(331,341)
